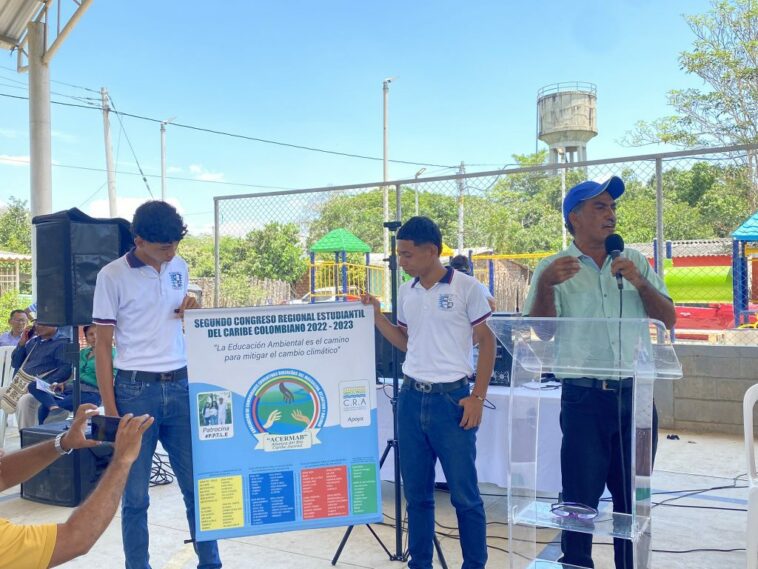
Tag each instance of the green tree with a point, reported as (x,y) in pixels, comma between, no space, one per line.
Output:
(362,215)
(9,300)
(724,55)
(527,216)
(198,251)
(724,204)
(16,227)
(275,252)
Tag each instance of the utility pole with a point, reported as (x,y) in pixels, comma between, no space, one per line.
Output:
(163,156)
(39,122)
(111,172)
(40,150)
(163,161)
(564,236)
(421,171)
(38,56)
(461,192)
(385,177)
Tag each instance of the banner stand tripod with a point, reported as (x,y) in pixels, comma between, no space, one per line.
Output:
(399,554)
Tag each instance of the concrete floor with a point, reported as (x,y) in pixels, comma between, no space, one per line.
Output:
(692,462)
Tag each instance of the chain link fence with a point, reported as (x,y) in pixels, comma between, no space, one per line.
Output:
(679,210)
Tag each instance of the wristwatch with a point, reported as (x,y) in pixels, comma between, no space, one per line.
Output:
(57,444)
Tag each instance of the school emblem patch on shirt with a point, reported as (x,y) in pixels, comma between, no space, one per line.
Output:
(176,280)
(445,302)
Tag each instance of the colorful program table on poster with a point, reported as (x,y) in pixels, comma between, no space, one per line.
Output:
(284,423)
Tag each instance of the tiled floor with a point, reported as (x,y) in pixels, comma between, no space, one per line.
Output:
(692,462)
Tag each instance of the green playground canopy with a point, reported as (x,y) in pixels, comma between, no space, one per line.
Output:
(338,241)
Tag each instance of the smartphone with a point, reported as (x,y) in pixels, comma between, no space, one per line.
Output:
(104,428)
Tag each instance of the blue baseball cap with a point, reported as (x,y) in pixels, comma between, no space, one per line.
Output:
(589,189)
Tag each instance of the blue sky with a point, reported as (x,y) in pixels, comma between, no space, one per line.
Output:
(310,73)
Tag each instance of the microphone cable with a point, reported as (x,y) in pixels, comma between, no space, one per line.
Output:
(161,472)
(628,505)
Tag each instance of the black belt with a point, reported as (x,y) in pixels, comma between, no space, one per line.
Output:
(603,384)
(136,375)
(429,387)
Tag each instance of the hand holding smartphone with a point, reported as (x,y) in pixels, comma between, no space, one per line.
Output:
(104,428)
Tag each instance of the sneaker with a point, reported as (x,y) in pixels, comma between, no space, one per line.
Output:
(57,415)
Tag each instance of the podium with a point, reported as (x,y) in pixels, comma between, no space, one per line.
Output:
(561,348)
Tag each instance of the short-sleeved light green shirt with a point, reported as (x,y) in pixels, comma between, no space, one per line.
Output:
(593,293)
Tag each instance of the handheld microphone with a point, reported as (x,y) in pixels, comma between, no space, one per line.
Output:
(614,246)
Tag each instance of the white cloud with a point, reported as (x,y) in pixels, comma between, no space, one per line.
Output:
(9,133)
(226,229)
(63,136)
(174,170)
(200,173)
(19,160)
(14,160)
(125,207)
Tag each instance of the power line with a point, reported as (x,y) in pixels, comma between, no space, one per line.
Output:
(93,194)
(55,81)
(91,101)
(242,136)
(129,142)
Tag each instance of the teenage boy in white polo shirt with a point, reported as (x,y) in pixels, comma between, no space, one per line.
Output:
(142,297)
(441,313)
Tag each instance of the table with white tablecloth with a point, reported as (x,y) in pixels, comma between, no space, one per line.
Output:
(492,438)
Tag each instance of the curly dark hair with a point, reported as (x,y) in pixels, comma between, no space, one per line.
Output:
(421,230)
(158,222)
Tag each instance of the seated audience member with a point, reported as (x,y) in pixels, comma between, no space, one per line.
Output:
(43,354)
(49,545)
(18,321)
(54,408)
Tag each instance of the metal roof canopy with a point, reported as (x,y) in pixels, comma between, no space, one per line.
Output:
(15,16)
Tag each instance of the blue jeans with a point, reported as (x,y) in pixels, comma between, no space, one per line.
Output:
(596,426)
(168,402)
(66,402)
(428,428)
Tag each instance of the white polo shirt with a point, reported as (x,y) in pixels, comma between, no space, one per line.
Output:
(440,324)
(140,302)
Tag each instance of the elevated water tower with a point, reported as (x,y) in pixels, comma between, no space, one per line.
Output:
(566,119)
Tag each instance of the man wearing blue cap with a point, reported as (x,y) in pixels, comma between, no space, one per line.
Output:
(596,412)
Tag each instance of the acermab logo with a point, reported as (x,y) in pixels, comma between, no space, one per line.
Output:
(177,280)
(445,302)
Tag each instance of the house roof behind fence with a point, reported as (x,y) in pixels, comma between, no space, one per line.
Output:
(748,231)
(690,248)
(339,240)
(10,256)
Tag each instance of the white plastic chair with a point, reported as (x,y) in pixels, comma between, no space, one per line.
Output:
(751,396)
(6,375)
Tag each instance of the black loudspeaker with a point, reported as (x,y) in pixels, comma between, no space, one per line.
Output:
(383,353)
(72,247)
(71,478)
(501,373)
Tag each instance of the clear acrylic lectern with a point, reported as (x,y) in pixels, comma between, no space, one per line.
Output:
(545,351)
